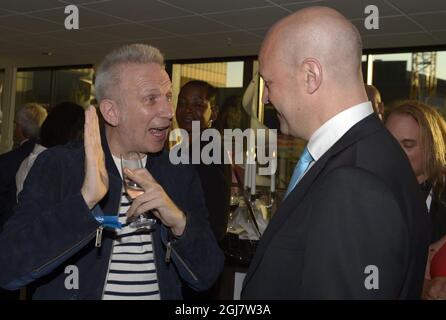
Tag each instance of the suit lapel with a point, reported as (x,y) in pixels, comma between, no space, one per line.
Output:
(365,127)
(283,212)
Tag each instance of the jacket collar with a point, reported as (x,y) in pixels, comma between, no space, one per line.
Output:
(112,200)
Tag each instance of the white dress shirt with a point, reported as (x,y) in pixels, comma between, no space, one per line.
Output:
(333,130)
(26,166)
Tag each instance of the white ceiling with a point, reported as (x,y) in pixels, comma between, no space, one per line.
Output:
(185,29)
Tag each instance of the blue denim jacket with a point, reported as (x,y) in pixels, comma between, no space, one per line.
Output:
(52,228)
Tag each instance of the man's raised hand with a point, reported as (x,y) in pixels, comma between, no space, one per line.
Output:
(95,184)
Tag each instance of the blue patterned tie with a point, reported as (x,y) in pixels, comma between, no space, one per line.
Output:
(299,170)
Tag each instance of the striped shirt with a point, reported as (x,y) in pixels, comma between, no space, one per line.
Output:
(131,273)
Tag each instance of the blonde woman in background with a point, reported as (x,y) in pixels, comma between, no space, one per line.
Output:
(421,131)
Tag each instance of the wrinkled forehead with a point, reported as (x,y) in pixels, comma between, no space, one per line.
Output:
(146,76)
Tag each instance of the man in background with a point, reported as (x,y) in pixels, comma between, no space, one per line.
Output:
(375,98)
(28,121)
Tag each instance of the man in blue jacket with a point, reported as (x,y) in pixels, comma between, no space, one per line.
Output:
(70,230)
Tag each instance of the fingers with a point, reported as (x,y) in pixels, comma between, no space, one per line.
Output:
(145,207)
(87,127)
(141,177)
(91,120)
(95,184)
(146,201)
(92,137)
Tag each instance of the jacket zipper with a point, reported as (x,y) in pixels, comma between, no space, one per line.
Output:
(89,237)
(169,250)
(98,242)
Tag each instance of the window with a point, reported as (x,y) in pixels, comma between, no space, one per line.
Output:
(417,75)
(391,75)
(54,85)
(228,77)
(73,85)
(33,86)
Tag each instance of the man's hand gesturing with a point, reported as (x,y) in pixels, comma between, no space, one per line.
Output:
(95,184)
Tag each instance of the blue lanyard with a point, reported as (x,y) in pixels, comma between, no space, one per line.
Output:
(111,222)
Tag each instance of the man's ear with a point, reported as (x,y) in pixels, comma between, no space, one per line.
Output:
(313,75)
(110,112)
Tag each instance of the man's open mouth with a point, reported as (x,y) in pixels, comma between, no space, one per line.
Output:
(159,131)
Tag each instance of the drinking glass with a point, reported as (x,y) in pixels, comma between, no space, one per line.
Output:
(133,190)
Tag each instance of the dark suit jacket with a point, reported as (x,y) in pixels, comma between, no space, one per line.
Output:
(9,165)
(216,184)
(437,214)
(359,205)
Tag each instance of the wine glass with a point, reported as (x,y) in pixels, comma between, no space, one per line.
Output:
(133,190)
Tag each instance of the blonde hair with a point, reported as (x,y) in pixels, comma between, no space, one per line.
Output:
(108,74)
(433,137)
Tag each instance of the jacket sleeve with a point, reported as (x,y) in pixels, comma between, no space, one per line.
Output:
(196,254)
(50,223)
(358,241)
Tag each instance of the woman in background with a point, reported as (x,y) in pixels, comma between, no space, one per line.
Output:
(421,131)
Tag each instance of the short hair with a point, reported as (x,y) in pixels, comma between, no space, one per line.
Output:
(30,118)
(433,138)
(211,91)
(108,73)
(64,123)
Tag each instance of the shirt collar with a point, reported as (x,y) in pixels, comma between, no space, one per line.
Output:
(332,130)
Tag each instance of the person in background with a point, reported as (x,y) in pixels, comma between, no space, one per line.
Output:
(64,123)
(375,98)
(232,115)
(197,101)
(28,120)
(27,123)
(421,132)
(353,211)
(435,284)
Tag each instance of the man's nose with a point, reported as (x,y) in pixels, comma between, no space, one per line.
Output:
(188,106)
(166,109)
